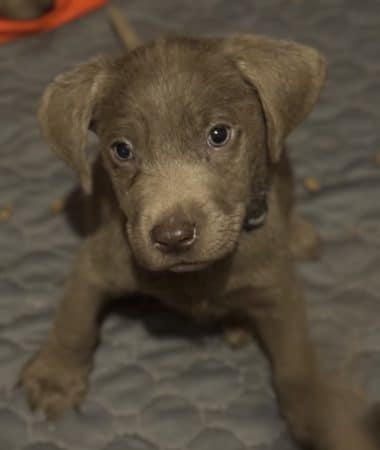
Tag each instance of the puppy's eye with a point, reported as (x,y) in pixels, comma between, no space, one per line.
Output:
(122,150)
(219,135)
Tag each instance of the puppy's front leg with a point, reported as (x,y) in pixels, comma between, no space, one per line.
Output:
(55,379)
(318,413)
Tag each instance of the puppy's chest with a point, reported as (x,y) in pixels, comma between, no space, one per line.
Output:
(199,309)
(201,296)
(196,300)
(200,302)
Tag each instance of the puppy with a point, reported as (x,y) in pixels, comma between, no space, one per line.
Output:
(195,199)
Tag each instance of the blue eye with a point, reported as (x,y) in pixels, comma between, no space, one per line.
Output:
(219,135)
(122,150)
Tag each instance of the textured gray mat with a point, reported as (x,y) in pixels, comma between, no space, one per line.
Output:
(158,384)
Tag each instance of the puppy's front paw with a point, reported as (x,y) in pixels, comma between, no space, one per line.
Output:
(54,385)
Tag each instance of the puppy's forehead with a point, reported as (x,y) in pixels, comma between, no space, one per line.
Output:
(176,73)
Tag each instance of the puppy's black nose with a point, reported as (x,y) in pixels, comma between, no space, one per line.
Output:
(174,234)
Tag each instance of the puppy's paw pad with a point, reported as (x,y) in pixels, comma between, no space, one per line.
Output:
(53,386)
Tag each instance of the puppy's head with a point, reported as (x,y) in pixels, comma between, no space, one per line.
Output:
(187,130)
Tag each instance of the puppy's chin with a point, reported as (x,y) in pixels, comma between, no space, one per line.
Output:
(190,266)
(175,267)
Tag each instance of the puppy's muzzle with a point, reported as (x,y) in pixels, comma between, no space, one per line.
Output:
(174,234)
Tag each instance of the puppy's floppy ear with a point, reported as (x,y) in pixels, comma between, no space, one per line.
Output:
(287,76)
(66,110)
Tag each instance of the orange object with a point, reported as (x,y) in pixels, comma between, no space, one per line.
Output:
(62,12)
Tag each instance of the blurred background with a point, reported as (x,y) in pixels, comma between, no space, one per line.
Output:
(159,382)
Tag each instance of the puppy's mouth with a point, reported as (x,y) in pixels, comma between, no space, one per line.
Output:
(189,266)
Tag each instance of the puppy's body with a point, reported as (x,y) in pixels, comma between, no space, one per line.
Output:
(174,203)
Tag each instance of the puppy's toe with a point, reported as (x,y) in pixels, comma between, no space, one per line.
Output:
(53,386)
(55,404)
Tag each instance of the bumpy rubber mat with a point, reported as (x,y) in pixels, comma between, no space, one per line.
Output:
(160,383)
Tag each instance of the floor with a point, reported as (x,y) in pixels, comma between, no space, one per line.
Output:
(160,384)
